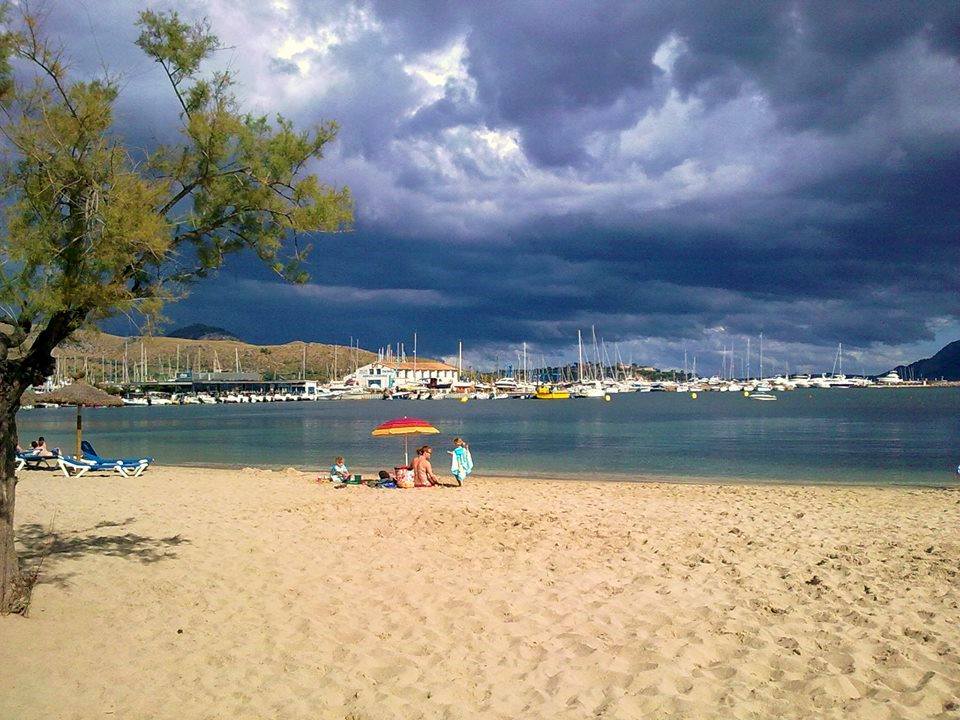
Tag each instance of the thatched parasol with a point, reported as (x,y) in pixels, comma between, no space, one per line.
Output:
(82,395)
(30,398)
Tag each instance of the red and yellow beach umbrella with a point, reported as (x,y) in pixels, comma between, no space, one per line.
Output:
(405,426)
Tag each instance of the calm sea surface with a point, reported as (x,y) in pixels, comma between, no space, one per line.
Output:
(846,436)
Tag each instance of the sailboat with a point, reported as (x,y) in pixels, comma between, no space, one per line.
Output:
(586,388)
(764,390)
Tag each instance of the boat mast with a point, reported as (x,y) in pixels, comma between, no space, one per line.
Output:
(597,373)
(525,378)
(580,350)
(761,357)
(748,359)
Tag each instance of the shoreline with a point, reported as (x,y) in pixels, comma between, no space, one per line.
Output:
(605,477)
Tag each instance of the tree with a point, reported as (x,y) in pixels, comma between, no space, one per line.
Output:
(92,229)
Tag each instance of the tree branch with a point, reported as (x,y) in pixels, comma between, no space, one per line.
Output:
(34,367)
(35,47)
(171,203)
(176,87)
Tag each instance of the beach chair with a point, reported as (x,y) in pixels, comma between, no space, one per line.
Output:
(33,461)
(131,467)
(77,467)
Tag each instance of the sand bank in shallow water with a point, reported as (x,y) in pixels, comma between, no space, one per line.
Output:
(197,593)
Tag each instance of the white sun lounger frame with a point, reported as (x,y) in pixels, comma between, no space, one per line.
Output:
(79,469)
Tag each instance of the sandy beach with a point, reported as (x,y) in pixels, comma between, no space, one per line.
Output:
(200,593)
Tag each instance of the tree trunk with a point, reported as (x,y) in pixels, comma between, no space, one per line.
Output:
(13,593)
(15,377)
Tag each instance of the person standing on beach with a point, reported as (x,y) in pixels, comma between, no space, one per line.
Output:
(461,462)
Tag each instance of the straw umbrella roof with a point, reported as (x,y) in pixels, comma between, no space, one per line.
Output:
(81,394)
(30,398)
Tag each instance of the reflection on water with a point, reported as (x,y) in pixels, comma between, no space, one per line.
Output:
(859,436)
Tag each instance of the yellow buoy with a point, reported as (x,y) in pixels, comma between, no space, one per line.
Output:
(606,398)
(463,399)
(693,396)
(746,393)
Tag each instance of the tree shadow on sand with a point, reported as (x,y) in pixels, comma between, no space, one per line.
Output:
(40,545)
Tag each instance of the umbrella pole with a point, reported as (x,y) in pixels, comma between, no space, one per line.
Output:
(79,431)
(406,453)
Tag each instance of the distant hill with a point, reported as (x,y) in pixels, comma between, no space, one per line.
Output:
(198,331)
(945,364)
(103,356)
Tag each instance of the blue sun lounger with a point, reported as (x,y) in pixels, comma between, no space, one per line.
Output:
(77,467)
(138,464)
(34,460)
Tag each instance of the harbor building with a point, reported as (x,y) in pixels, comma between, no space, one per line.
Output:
(220,383)
(388,374)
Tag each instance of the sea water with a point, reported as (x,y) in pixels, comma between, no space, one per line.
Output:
(872,436)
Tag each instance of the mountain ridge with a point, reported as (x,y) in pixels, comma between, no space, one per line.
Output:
(944,364)
(199,331)
(102,356)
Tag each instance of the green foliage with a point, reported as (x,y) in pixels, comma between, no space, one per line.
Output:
(92,231)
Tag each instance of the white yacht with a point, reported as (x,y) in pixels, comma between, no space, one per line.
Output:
(588,389)
(891,378)
(506,385)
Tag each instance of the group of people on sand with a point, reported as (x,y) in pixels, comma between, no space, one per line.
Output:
(38,448)
(421,469)
(420,472)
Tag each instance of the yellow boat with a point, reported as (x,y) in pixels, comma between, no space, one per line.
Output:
(551,393)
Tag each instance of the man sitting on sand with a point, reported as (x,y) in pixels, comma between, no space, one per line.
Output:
(422,469)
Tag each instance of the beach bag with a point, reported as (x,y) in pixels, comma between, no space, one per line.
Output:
(404,477)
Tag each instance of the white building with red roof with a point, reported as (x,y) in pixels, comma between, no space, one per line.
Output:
(389,373)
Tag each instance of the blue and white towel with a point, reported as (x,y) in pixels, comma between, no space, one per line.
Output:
(461,464)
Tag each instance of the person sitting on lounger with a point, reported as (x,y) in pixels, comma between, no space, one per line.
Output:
(339,472)
(43,451)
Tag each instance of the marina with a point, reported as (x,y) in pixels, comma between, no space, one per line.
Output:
(226,389)
(808,436)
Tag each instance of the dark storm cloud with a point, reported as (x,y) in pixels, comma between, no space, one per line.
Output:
(679,174)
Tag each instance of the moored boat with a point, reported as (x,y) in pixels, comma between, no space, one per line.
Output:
(545,392)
